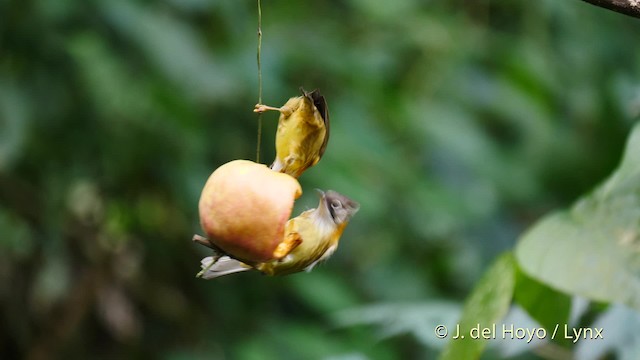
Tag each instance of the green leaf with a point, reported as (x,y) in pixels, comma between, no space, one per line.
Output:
(593,249)
(544,304)
(487,304)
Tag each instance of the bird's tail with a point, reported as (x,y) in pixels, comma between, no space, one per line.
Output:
(224,266)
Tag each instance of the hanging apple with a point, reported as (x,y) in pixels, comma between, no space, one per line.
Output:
(244,207)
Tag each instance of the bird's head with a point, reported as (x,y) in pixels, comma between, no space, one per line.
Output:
(339,207)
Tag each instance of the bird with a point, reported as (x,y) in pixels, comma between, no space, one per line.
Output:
(314,236)
(302,134)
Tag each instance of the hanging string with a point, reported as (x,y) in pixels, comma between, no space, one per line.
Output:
(258,143)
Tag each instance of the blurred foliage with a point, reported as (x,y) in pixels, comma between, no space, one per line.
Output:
(589,251)
(592,249)
(455,124)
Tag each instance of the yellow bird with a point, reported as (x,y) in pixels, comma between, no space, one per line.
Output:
(315,233)
(303,132)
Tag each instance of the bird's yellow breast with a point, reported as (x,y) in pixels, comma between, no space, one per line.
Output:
(319,236)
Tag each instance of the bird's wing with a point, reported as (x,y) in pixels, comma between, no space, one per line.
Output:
(321,104)
(290,242)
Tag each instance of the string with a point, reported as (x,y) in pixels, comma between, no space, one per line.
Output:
(259,140)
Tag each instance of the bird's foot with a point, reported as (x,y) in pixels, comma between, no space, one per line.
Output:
(260,108)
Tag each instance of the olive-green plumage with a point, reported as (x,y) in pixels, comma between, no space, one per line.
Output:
(316,233)
(303,132)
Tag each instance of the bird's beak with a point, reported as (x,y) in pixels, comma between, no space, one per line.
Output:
(321,193)
(323,206)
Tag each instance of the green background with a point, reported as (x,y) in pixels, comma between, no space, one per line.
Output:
(456,125)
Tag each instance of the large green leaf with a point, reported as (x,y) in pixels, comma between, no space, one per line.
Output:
(544,304)
(593,249)
(487,304)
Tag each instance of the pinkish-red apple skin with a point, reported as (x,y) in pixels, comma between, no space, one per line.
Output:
(244,207)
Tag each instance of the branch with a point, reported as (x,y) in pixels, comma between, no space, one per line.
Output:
(202,241)
(205,242)
(627,7)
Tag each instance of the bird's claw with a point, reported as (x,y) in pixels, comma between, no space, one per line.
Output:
(260,108)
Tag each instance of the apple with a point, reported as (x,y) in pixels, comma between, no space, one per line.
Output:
(244,207)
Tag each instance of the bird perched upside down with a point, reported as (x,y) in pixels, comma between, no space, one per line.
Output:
(314,234)
(303,132)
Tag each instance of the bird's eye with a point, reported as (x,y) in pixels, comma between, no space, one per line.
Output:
(335,204)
